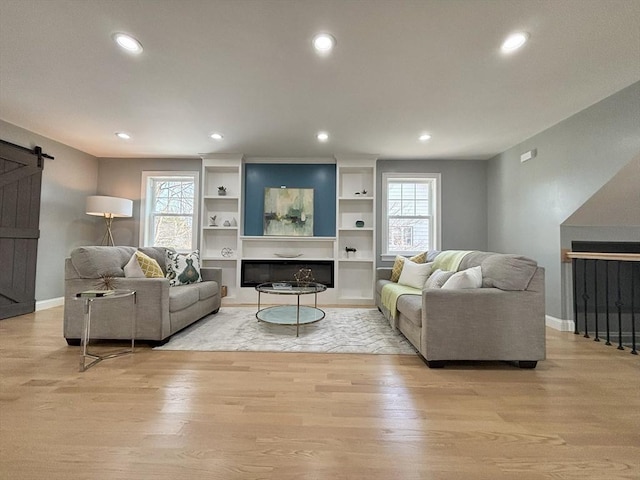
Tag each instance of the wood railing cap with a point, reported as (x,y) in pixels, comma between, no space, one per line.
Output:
(623,257)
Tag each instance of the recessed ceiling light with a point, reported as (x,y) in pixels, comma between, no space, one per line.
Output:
(217,136)
(123,135)
(128,43)
(514,41)
(323,42)
(322,136)
(424,137)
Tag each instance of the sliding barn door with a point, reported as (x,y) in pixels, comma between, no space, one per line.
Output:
(20,181)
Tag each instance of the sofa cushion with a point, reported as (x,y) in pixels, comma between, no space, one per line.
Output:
(438,278)
(183,268)
(414,274)
(410,306)
(182,296)
(149,266)
(206,289)
(508,272)
(469,278)
(474,259)
(396,271)
(93,262)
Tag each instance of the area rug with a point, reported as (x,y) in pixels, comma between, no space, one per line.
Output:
(343,330)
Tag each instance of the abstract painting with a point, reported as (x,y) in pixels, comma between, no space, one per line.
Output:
(288,212)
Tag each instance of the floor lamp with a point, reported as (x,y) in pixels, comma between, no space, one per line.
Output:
(109,208)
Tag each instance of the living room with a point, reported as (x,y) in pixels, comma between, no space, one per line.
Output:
(586,145)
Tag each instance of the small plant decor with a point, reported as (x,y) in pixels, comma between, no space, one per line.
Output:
(106,282)
(222,190)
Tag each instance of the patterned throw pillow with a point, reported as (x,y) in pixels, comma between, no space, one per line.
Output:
(399,263)
(149,266)
(183,268)
(438,279)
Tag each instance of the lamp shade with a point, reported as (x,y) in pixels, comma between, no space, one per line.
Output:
(109,206)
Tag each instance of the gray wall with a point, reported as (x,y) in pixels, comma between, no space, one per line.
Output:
(617,203)
(64,225)
(463,197)
(122,177)
(527,202)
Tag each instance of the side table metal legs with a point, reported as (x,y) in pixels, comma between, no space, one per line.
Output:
(86,335)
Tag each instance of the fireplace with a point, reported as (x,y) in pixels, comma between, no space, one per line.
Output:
(255,272)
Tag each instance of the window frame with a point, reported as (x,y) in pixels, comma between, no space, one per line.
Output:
(146,217)
(436,218)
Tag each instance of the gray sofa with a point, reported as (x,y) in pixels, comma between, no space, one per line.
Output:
(504,320)
(161,310)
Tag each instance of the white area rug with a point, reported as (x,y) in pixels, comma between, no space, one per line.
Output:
(343,330)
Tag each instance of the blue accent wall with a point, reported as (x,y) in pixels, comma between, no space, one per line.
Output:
(321,177)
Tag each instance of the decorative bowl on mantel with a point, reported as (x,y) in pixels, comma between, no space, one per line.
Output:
(288,255)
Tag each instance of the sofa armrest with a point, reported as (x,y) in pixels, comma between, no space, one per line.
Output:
(211,274)
(383,273)
(483,324)
(152,309)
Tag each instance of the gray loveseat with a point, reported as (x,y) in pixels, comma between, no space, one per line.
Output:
(503,320)
(161,310)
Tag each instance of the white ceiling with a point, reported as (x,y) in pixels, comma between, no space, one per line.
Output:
(246,68)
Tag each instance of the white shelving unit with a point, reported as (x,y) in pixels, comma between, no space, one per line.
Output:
(219,243)
(355,272)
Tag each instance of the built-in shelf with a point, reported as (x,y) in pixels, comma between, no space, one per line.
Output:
(286,239)
(356,260)
(353,277)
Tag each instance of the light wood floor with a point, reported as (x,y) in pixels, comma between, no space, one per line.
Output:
(198,415)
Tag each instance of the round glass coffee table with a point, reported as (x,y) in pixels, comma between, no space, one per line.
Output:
(290,314)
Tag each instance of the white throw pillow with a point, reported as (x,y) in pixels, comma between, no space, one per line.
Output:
(133,269)
(414,274)
(469,278)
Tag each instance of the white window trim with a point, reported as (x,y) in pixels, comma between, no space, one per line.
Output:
(437,224)
(145,224)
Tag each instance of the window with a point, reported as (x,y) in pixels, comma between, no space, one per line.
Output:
(411,222)
(169,210)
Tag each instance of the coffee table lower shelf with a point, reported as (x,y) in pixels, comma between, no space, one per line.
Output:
(290,315)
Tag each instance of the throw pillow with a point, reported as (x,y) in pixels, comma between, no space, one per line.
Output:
(508,272)
(438,278)
(149,266)
(183,268)
(399,262)
(132,269)
(469,278)
(414,274)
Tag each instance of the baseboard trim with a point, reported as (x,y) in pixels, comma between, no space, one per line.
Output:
(50,303)
(559,324)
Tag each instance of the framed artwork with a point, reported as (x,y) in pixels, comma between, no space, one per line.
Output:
(288,212)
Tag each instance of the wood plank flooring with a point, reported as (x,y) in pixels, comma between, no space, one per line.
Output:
(208,415)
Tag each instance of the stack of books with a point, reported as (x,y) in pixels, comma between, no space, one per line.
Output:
(95,293)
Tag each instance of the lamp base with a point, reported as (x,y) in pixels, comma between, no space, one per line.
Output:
(107,239)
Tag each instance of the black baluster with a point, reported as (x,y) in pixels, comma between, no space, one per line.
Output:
(606,287)
(595,297)
(585,297)
(574,266)
(633,309)
(619,305)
